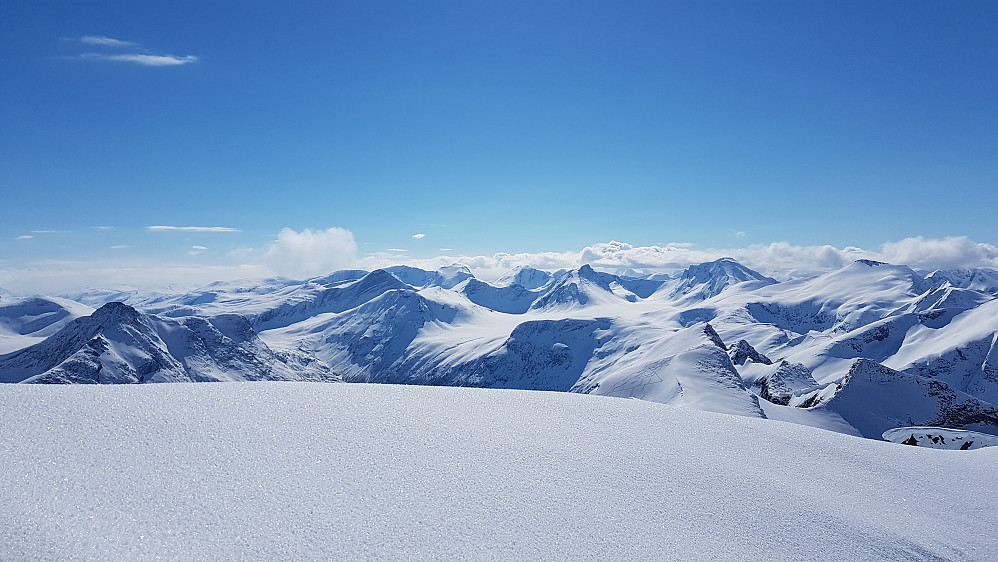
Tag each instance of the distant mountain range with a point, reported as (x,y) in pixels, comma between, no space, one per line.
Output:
(861,350)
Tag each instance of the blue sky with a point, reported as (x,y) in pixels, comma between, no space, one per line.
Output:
(519,127)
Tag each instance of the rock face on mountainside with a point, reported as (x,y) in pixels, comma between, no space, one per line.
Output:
(118,344)
(742,352)
(861,349)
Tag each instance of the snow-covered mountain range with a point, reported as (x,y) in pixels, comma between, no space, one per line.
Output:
(860,350)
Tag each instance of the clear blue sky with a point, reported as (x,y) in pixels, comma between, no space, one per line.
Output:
(499,126)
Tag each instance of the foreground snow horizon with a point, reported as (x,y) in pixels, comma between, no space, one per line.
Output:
(272,470)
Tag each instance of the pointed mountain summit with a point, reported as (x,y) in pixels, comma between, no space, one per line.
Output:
(703,281)
(119,344)
(581,287)
(525,276)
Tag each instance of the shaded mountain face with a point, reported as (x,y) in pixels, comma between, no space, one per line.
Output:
(119,344)
(870,337)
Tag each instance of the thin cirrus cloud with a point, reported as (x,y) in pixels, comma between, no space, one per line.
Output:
(105,41)
(144,60)
(143,57)
(164,228)
(419,236)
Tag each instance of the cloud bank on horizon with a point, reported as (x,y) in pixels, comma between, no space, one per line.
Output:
(310,253)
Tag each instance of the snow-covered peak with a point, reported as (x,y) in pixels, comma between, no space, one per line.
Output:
(525,276)
(983,280)
(339,277)
(874,398)
(119,344)
(582,287)
(445,277)
(703,281)
(870,269)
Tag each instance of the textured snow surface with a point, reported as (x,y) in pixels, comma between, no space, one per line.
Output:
(274,471)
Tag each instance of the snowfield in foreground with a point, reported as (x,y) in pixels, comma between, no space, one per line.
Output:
(350,472)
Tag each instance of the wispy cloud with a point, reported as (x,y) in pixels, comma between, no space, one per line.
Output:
(105,41)
(102,227)
(163,228)
(24,237)
(395,250)
(120,246)
(138,55)
(195,250)
(144,60)
(419,236)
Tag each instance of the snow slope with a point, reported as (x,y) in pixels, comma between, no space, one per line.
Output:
(275,471)
(27,321)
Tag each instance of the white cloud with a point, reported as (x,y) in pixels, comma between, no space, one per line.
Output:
(120,246)
(446,249)
(739,234)
(395,250)
(102,227)
(945,253)
(105,41)
(419,236)
(195,250)
(141,59)
(24,237)
(191,229)
(308,253)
